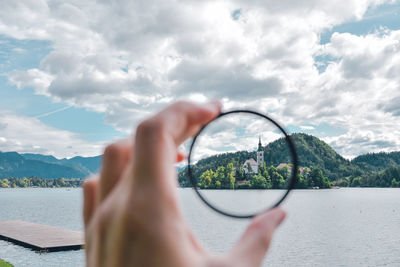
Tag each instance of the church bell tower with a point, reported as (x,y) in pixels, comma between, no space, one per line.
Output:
(260,153)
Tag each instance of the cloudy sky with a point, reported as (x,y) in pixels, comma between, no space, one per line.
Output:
(75,75)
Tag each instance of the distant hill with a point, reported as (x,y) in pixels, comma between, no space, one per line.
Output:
(311,151)
(44,158)
(377,161)
(13,164)
(86,165)
(91,164)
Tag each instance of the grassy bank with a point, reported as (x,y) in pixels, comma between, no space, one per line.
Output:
(5,264)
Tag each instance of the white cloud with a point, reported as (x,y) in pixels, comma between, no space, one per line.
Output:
(362,91)
(233,133)
(24,134)
(35,78)
(130,58)
(307,127)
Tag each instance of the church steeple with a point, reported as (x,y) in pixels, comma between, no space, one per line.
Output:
(260,153)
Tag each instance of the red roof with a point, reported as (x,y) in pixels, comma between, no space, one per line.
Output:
(251,161)
(283,165)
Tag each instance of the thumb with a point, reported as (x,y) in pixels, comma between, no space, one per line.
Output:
(253,245)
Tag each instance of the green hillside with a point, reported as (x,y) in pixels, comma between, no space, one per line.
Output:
(312,152)
(389,177)
(377,161)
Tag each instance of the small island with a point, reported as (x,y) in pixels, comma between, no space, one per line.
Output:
(255,174)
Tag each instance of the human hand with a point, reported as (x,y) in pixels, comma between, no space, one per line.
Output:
(131,212)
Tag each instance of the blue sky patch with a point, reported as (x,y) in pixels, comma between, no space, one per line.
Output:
(386,16)
(236,14)
(27,54)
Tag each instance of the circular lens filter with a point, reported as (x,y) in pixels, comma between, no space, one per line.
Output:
(242,163)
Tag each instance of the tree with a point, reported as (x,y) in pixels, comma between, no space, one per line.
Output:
(317,178)
(229,179)
(219,177)
(301,182)
(262,169)
(206,179)
(343,182)
(239,173)
(4,183)
(22,182)
(259,182)
(249,169)
(284,171)
(277,180)
(264,172)
(356,182)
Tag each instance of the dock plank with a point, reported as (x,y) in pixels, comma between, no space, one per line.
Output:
(40,237)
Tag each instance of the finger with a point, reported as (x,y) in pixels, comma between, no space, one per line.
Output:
(115,158)
(185,118)
(252,247)
(90,187)
(156,146)
(157,138)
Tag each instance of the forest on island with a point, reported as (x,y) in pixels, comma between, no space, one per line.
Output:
(230,177)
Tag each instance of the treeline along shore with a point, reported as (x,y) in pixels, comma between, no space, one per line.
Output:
(225,178)
(40,182)
(270,177)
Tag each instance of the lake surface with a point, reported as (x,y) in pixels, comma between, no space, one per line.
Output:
(343,227)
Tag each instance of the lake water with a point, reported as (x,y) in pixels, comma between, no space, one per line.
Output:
(344,227)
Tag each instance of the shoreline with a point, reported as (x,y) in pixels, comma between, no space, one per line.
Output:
(236,189)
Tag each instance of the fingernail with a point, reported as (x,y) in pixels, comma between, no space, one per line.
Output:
(278,216)
(214,106)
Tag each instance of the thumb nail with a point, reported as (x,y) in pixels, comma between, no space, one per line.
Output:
(276,216)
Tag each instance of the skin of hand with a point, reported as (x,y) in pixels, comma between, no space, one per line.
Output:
(131,211)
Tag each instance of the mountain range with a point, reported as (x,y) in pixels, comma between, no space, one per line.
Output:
(13,164)
(311,151)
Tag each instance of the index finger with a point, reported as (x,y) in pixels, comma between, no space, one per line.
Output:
(158,138)
(184,119)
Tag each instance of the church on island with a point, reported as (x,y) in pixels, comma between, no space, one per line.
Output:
(252,166)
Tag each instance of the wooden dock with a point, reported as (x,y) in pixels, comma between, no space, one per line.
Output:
(40,237)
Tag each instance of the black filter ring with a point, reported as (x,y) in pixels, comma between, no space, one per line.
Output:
(292,148)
